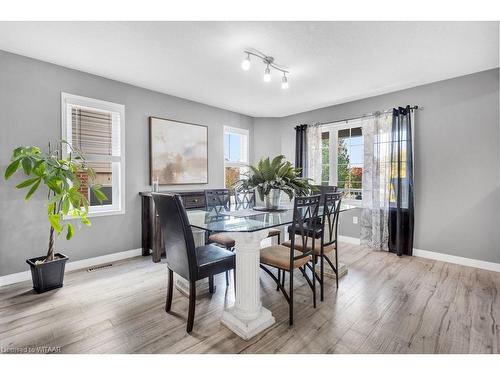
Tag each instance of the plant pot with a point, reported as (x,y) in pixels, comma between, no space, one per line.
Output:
(273,199)
(47,276)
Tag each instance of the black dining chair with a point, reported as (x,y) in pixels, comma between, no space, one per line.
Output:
(287,259)
(323,189)
(246,199)
(220,199)
(327,246)
(183,257)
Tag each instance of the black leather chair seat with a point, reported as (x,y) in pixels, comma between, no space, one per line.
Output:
(213,259)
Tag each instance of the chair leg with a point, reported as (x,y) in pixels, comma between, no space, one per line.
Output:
(211,288)
(336,267)
(192,304)
(170,289)
(279,239)
(290,303)
(279,278)
(322,275)
(283,279)
(234,281)
(314,280)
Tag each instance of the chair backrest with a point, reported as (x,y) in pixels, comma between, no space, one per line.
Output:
(244,199)
(323,189)
(177,235)
(331,210)
(220,198)
(305,222)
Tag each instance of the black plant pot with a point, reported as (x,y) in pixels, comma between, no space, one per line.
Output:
(49,275)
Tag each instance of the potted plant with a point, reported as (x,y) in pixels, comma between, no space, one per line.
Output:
(64,198)
(272,177)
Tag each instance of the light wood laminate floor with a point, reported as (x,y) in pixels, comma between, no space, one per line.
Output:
(385,304)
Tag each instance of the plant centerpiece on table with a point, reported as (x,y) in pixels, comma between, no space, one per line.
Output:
(60,176)
(269,178)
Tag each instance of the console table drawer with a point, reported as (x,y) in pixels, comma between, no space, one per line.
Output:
(194,201)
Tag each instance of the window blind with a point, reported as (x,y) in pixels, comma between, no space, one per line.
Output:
(92,131)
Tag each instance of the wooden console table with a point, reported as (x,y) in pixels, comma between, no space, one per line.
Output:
(152,239)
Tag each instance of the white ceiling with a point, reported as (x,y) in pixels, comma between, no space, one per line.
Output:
(330,62)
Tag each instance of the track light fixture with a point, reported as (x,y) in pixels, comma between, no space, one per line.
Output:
(269,61)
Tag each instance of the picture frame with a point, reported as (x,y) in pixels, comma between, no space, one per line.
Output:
(178,152)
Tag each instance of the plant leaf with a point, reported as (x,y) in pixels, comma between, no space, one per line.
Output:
(12,168)
(71,231)
(55,221)
(65,205)
(85,221)
(28,182)
(26,164)
(33,189)
(99,194)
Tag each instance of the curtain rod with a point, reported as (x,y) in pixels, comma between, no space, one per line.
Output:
(363,116)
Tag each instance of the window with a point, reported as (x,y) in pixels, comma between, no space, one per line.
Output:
(235,154)
(325,158)
(96,128)
(342,158)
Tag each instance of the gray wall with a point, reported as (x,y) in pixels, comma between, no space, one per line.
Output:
(30,111)
(457,160)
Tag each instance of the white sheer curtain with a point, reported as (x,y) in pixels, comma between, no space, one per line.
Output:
(314,155)
(376,180)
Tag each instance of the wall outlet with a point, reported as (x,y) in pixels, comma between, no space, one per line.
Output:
(354,219)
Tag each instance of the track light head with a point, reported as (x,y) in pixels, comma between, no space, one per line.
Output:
(245,65)
(284,82)
(267,74)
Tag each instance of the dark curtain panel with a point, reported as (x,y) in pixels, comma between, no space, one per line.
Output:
(301,148)
(401,185)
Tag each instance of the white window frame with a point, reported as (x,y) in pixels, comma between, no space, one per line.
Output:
(244,149)
(118,162)
(333,130)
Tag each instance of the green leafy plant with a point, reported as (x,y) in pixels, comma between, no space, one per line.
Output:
(60,177)
(275,174)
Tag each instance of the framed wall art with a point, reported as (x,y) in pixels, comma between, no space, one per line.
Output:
(178,152)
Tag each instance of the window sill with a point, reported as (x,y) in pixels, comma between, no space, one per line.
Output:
(98,214)
(353,202)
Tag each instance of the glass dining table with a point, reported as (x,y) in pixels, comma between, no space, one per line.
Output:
(248,227)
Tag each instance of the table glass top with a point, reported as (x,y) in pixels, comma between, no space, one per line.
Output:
(243,220)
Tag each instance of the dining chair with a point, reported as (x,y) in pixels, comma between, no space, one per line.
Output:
(245,199)
(328,239)
(288,259)
(183,257)
(323,189)
(220,199)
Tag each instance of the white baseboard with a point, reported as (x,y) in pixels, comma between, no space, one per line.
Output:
(72,266)
(490,266)
(351,240)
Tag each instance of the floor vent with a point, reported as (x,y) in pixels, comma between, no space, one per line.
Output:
(97,268)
